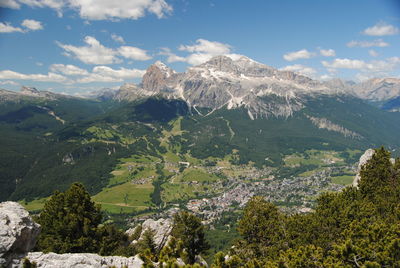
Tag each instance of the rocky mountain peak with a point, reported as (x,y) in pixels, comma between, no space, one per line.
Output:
(220,63)
(155,77)
(30,91)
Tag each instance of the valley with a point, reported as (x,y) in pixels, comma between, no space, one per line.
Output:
(201,140)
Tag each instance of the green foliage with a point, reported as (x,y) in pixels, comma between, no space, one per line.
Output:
(28,264)
(147,244)
(352,228)
(70,223)
(189,229)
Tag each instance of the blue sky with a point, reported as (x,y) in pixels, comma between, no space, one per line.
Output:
(76,46)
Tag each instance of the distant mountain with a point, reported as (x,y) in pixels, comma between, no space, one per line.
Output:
(242,82)
(231,83)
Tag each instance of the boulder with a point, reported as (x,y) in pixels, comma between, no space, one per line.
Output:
(82,260)
(18,232)
(161,227)
(363,160)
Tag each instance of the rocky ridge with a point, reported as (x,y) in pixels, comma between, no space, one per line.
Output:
(231,83)
(234,82)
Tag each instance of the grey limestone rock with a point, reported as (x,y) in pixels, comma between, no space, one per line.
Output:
(18,232)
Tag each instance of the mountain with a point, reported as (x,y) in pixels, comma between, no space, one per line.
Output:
(241,82)
(378,89)
(234,111)
(223,81)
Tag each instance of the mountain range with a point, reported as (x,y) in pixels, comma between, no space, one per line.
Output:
(241,82)
(234,107)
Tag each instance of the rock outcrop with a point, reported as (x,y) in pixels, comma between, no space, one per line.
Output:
(161,227)
(363,160)
(82,260)
(18,232)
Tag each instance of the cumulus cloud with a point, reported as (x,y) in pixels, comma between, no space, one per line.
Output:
(70,74)
(118,38)
(99,9)
(107,74)
(133,53)
(32,25)
(381,29)
(208,47)
(171,57)
(8,28)
(200,52)
(68,69)
(296,55)
(327,52)
(95,53)
(50,77)
(28,25)
(301,69)
(375,43)
(9,82)
(120,9)
(10,4)
(372,68)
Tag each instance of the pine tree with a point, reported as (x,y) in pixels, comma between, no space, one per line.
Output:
(69,222)
(189,229)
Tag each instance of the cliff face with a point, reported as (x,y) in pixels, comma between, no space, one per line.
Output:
(18,232)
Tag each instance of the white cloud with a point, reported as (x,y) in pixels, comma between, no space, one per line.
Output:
(50,77)
(171,57)
(99,9)
(9,4)
(327,52)
(373,53)
(120,9)
(344,64)
(118,38)
(67,69)
(198,58)
(32,25)
(29,25)
(381,29)
(207,47)
(375,43)
(372,67)
(296,55)
(133,53)
(107,74)
(93,53)
(200,52)
(8,28)
(9,82)
(301,69)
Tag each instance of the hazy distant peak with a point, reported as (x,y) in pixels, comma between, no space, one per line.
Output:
(30,91)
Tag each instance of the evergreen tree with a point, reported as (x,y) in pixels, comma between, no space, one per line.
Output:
(189,229)
(70,223)
(351,228)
